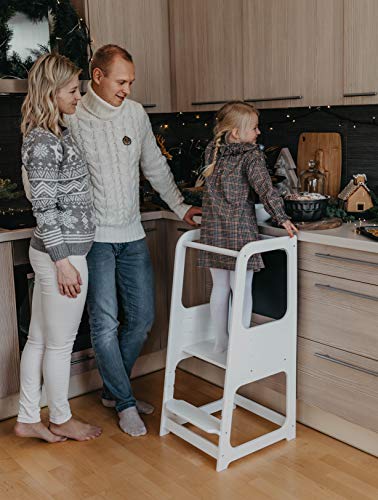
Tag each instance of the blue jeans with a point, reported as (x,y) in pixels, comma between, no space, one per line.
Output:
(120,275)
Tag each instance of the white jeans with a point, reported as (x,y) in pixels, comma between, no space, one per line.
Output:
(223,284)
(46,357)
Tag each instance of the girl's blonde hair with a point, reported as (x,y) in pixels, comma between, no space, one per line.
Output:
(48,74)
(234,114)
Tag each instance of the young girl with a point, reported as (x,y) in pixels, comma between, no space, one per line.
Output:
(58,181)
(236,171)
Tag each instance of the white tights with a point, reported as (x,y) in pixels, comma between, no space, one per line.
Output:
(223,284)
(47,353)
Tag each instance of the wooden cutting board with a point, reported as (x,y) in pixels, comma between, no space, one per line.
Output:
(330,223)
(325,147)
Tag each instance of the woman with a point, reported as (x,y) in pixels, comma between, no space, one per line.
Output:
(59,189)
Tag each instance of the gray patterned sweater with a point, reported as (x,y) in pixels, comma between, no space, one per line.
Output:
(60,196)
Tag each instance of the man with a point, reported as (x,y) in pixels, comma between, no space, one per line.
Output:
(116,136)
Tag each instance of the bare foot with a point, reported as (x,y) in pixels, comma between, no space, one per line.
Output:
(37,430)
(74,429)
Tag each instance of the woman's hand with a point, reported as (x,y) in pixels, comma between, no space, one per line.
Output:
(290,228)
(69,279)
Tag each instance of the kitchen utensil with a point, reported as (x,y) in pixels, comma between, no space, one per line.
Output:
(330,223)
(325,148)
(306,210)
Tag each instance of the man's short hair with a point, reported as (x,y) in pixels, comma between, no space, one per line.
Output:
(104,56)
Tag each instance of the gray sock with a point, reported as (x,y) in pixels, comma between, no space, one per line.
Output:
(131,423)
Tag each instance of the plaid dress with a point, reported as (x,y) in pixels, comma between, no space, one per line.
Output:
(228,209)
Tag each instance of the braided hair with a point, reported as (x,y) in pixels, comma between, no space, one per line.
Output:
(234,114)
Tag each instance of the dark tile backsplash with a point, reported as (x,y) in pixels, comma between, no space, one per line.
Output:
(186,135)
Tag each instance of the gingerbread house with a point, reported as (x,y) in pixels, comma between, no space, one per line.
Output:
(355,197)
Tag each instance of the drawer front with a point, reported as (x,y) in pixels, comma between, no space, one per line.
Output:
(338,382)
(341,262)
(82,361)
(338,312)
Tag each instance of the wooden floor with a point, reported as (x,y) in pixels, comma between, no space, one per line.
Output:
(116,466)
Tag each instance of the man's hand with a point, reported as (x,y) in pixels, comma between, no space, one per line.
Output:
(290,228)
(188,218)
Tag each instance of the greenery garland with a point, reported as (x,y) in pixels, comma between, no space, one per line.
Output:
(69,35)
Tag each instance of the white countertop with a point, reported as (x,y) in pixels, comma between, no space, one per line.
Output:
(343,236)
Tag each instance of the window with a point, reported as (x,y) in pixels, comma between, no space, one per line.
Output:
(360,207)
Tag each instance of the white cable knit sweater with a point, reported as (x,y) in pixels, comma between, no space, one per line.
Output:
(99,129)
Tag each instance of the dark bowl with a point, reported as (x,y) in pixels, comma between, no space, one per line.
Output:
(306,210)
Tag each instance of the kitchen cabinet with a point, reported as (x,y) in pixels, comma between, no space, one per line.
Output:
(360,43)
(292,52)
(206,53)
(9,352)
(338,328)
(339,382)
(337,388)
(140,26)
(155,237)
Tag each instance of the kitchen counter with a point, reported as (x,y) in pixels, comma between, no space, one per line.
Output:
(343,236)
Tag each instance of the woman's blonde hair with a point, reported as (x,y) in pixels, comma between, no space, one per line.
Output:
(48,74)
(234,114)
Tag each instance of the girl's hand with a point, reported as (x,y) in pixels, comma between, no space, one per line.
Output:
(69,279)
(290,228)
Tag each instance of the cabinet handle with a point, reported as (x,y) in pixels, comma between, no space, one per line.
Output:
(344,363)
(81,360)
(349,292)
(149,105)
(346,259)
(360,94)
(150,229)
(286,98)
(206,103)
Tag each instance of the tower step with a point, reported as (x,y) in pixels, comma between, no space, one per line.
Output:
(205,350)
(194,415)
